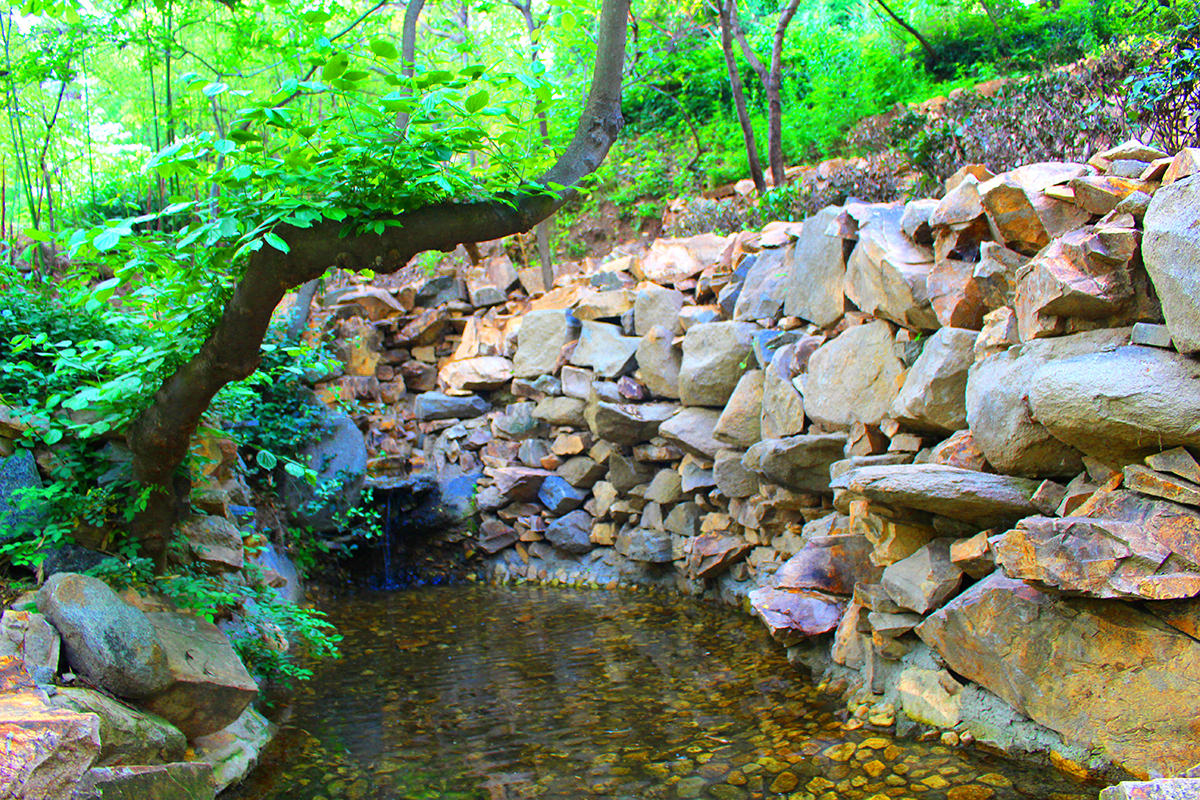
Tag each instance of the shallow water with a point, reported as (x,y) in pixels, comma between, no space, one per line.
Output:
(501,693)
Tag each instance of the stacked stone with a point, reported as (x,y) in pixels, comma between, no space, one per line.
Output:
(932,442)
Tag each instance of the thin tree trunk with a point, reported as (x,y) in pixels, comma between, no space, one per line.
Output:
(301,311)
(774,98)
(739,96)
(931,58)
(408,52)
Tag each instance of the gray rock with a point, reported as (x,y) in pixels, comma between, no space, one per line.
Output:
(856,377)
(1121,405)
(684,520)
(733,479)
(577,382)
(628,424)
(659,361)
(692,430)
(176,781)
(127,735)
(714,357)
(209,686)
(925,580)
(562,411)
(976,497)
(656,306)
(604,349)
(571,532)
(652,547)
(740,423)
(435,405)
(998,410)
(581,472)
(782,405)
(886,275)
(1170,248)
(559,496)
(233,752)
(532,451)
(624,473)
(29,638)
(800,463)
(540,340)
(666,488)
(213,541)
(934,395)
(1160,789)
(818,270)
(106,640)
(494,536)
(696,477)
(765,287)
(17,472)
(518,422)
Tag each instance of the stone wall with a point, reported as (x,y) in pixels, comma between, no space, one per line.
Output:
(941,448)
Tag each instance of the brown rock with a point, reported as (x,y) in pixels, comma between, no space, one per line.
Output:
(477,374)
(519,483)
(1012,215)
(1099,673)
(1100,194)
(1158,484)
(713,555)
(792,616)
(831,564)
(960,494)
(960,451)
(214,541)
(1185,163)
(46,750)
(209,685)
(973,555)
(926,579)
(893,534)
(1177,461)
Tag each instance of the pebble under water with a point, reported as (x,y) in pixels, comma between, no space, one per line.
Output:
(500,693)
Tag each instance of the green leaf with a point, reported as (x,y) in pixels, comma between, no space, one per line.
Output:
(104,289)
(39,236)
(266,459)
(294,469)
(274,240)
(477,102)
(384,49)
(215,88)
(52,436)
(317,17)
(335,66)
(108,239)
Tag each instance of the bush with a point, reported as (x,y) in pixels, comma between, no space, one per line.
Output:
(1165,95)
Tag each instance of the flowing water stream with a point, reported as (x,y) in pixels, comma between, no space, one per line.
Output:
(501,693)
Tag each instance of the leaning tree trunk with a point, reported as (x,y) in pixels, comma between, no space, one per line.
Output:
(728,9)
(161,435)
(774,97)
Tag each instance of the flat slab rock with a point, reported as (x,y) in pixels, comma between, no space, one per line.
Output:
(792,616)
(1161,789)
(976,497)
(1129,546)
(1101,673)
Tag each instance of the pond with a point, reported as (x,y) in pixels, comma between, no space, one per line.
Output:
(500,693)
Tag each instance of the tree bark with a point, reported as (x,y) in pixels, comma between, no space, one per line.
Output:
(160,436)
(931,58)
(771,79)
(728,9)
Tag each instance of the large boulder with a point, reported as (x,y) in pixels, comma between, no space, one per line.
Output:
(975,497)
(1101,673)
(106,640)
(934,395)
(1128,545)
(764,287)
(233,751)
(998,405)
(818,271)
(924,580)
(782,405)
(715,355)
(887,272)
(740,422)
(209,686)
(856,377)
(1120,405)
(800,463)
(603,348)
(659,361)
(693,430)
(656,306)
(435,405)
(46,750)
(176,781)
(1171,251)
(571,532)
(339,458)
(127,736)
(629,424)
(792,616)
(829,564)
(540,340)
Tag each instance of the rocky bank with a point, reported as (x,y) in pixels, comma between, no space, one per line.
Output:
(944,449)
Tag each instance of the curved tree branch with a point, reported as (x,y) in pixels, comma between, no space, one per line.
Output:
(161,435)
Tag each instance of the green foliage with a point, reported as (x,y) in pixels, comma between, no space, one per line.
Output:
(1164,95)
(267,625)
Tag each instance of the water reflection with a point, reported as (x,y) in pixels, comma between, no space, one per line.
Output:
(501,693)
